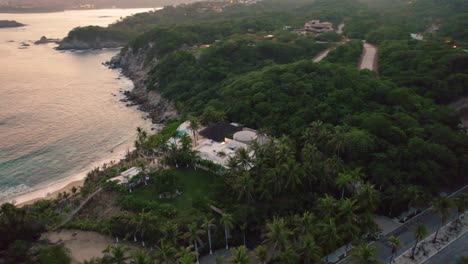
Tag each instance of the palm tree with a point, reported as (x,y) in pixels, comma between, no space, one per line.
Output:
(165,253)
(420,231)
(326,205)
(208,224)
(277,234)
(289,256)
(244,159)
(329,237)
(346,213)
(185,255)
(395,244)
(193,235)
(343,181)
(309,251)
(305,224)
(243,227)
(293,173)
(261,253)
(140,257)
(228,222)
(171,233)
(246,187)
(442,208)
(461,203)
(364,254)
(368,197)
(194,126)
(115,255)
(240,255)
(145,221)
(415,196)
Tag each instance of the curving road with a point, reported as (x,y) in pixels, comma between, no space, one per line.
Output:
(405,232)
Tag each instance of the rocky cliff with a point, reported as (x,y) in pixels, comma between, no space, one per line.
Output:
(135,66)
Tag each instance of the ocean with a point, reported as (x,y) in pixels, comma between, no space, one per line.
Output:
(60,113)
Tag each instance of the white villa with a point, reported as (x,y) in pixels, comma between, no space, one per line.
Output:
(214,144)
(126,176)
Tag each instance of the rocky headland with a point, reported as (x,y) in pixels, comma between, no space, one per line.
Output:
(134,65)
(10,24)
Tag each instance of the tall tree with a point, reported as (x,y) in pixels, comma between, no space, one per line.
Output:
(327,206)
(261,253)
(277,234)
(368,197)
(395,244)
(115,255)
(145,221)
(420,231)
(185,255)
(165,253)
(364,254)
(329,237)
(343,181)
(140,257)
(240,255)
(193,236)
(194,125)
(208,224)
(309,251)
(228,222)
(461,203)
(442,207)
(348,229)
(245,185)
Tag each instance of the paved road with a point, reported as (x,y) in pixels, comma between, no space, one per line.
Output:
(451,253)
(369,58)
(405,233)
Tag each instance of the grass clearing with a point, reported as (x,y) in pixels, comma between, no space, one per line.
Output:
(197,186)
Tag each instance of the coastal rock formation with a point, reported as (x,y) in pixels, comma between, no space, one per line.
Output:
(10,24)
(135,66)
(45,40)
(97,43)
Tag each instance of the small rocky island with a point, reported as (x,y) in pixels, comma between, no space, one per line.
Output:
(10,24)
(46,40)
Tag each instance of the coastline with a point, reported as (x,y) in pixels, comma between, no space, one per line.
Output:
(52,189)
(150,103)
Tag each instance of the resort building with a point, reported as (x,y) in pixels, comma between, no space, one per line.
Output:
(417,36)
(315,26)
(219,142)
(126,176)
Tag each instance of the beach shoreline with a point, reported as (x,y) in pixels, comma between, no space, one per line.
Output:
(51,190)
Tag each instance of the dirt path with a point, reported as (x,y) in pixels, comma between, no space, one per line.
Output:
(368,58)
(77,210)
(322,55)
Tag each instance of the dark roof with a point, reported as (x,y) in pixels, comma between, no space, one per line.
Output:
(218,132)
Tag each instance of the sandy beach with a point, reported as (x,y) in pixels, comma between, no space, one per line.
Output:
(51,190)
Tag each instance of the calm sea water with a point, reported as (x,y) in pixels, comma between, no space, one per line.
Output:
(60,113)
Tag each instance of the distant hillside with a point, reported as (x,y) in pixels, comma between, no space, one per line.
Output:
(58,5)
